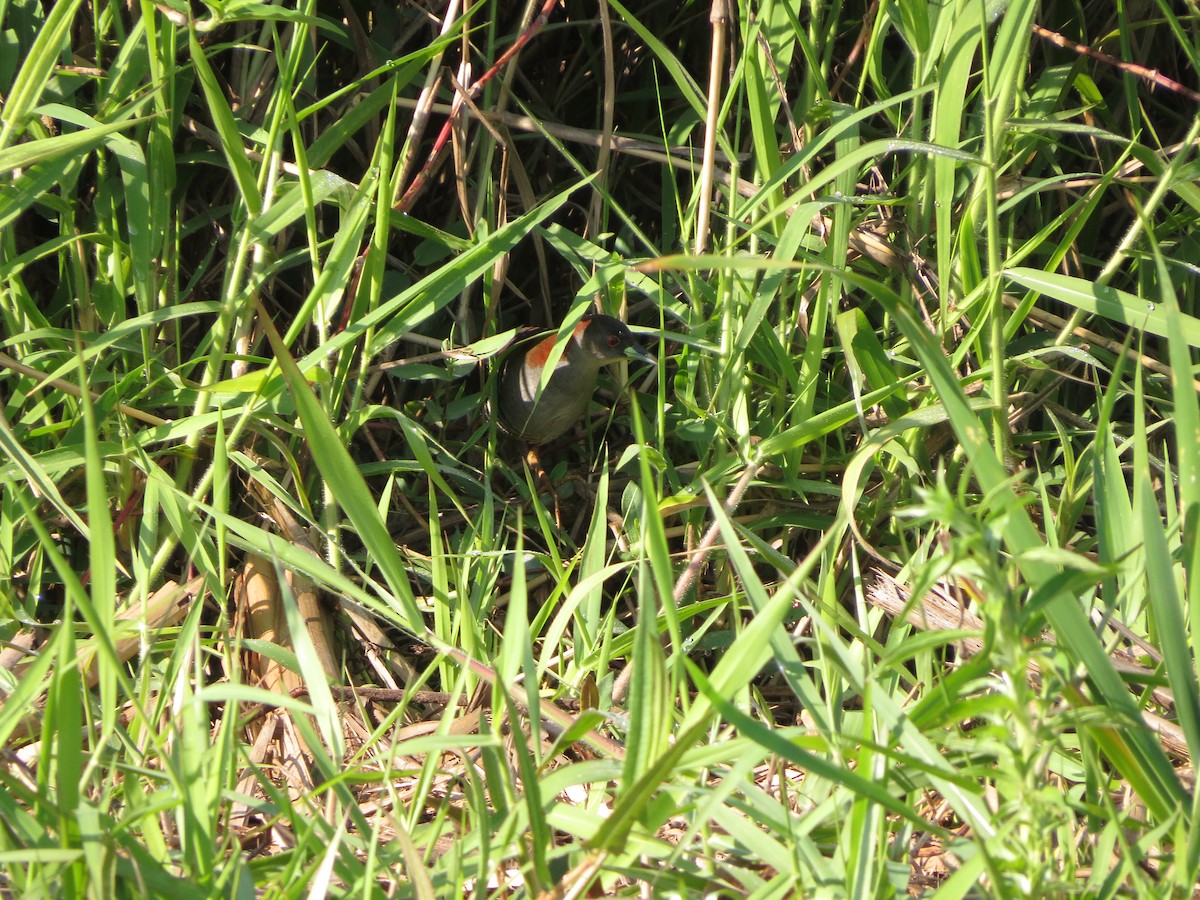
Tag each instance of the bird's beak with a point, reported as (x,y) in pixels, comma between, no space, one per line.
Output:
(637,351)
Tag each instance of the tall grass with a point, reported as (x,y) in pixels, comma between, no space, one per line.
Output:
(881,582)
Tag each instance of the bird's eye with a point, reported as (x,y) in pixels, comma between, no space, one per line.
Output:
(613,340)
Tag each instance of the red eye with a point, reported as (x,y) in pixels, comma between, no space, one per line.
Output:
(613,340)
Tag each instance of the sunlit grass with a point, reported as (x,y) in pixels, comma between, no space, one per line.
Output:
(880,582)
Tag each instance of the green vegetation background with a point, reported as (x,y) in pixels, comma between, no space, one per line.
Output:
(883,582)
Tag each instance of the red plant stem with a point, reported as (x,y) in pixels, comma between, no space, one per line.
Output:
(439,145)
(1151,75)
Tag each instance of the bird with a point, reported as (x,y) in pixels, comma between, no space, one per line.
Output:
(536,414)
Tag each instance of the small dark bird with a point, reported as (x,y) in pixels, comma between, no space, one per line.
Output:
(539,418)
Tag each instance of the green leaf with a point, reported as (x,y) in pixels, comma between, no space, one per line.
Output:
(35,72)
(45,150)
(346,482)
(1102,300)
(232,145)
